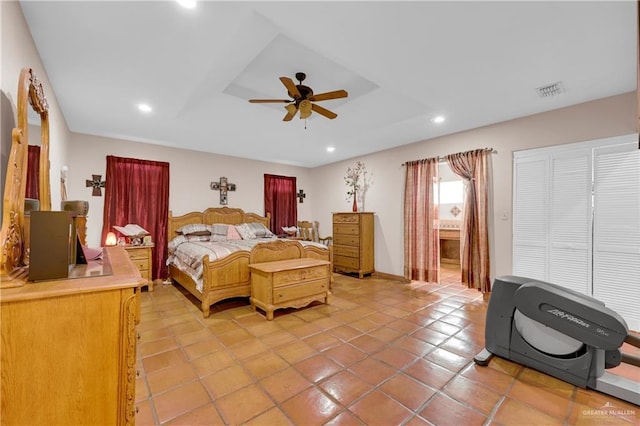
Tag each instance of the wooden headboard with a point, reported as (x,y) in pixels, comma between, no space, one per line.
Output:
(228,215)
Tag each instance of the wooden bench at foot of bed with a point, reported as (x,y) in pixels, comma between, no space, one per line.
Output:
(284,276)
(290,283)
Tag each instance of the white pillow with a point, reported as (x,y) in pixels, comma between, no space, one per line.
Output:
(219,229)
(260,230)
(245,231)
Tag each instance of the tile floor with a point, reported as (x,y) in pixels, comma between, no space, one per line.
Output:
(381,353)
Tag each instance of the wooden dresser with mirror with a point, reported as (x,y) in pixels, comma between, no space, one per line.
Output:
(68,350)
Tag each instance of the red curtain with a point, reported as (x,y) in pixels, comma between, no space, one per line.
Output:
(33,172)
(421,236)
(137,191)
(280,201)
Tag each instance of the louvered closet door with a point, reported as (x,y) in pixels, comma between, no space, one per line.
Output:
(570,221)
(576,220)
(616,272)
(552,218)
(531,217)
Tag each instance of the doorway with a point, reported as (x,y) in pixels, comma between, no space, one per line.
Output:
(450,205)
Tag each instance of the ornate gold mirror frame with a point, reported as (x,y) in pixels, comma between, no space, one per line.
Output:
(14,256)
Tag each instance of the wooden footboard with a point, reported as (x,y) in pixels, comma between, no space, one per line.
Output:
(222,279)
(322,254)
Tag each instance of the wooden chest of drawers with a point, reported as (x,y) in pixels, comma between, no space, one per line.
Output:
(353,249)
(291,283)
(141,258)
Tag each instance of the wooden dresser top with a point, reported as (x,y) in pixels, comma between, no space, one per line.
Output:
(124,274)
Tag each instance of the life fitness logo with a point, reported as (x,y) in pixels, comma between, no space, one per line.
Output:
(581,322)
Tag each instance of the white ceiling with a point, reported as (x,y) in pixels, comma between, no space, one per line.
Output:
(403,63)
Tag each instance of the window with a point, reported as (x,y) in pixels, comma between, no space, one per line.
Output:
(449,197)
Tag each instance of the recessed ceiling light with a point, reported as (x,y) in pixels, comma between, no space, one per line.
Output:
(439,119)
(144,108)
(331,148)
(187,4)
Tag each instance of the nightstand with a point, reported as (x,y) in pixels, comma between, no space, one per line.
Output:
(141,257)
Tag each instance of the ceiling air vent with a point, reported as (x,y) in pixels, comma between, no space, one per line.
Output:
(550,90)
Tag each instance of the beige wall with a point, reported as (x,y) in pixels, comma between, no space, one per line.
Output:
(190,175)
(592,120)
(191,172)
(18,51)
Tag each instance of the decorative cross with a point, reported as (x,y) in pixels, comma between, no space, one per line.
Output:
(223,186)
(301,196)
(96,183)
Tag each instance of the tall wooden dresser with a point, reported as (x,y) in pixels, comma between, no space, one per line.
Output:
(353,249)
(69,348)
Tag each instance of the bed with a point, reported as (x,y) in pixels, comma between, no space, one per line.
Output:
(221,270)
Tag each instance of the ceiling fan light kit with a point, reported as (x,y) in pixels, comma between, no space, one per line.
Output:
(305,109)
(303,99)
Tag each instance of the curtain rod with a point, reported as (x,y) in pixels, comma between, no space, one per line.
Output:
(443,159)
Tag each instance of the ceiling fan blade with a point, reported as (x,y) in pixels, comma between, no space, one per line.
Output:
(291,87)
(291,112)
(265,101)
(336,94)
(323,111)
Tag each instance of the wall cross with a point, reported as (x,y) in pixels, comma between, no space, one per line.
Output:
(223,186)
(301,196)
(96,183)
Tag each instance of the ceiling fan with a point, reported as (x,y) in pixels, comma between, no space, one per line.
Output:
(303,99)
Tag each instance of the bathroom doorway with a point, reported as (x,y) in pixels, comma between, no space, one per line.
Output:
(450,201)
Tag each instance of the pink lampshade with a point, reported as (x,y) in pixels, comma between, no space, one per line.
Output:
(111,239)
